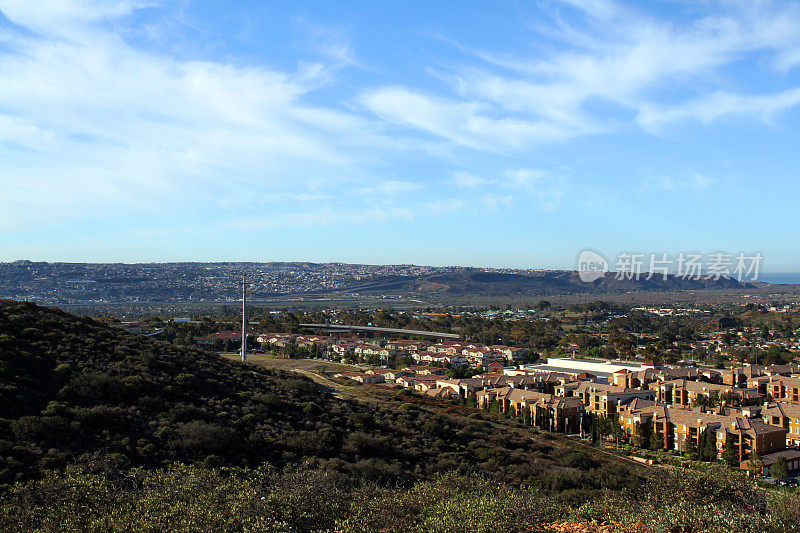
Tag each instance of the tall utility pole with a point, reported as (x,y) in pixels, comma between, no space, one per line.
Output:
(244,319)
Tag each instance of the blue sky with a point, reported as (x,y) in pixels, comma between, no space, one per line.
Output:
(450,133)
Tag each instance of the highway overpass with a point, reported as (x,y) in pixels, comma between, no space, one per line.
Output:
(373,329)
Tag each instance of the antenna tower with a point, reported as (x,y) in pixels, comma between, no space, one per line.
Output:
(244,319)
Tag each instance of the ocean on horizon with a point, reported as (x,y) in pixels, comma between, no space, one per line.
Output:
(779,277)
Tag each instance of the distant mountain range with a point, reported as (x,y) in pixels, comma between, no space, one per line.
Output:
(560,282)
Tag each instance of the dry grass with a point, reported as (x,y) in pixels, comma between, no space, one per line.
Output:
(298,365)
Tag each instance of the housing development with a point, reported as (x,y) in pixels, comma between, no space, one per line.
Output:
(745,414)
(656,407)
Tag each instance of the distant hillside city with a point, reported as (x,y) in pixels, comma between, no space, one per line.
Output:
(101,283)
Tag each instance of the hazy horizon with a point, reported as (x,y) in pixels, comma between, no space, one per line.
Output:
(764,276)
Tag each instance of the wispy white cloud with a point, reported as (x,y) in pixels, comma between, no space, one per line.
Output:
(497,201)
(92,126)
(616,67)
(391,188)
(70,19)
(720,105)
(447,205)
(460,178)
(544,189)
(332,42)
(469,124)
(524,178)
(694,181)
(597,9)
(519,187)
(324,217)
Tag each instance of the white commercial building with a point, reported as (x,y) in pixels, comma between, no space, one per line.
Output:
(596,367)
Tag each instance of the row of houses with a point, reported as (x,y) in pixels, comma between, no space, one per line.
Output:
(420,378)
(762,431)
(422,352)
(537,394)
(542,409)
(741,376)
(757,433)
(281,340)
(687,393)
(453,353)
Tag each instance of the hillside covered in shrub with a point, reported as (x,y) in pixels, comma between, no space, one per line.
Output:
(77,392)
(191,498)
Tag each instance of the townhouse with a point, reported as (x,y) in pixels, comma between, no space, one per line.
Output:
(603,399)
(566,388)
(218,336)
(640,379)
(784,415)
(511,354)
(738,376)
(451,347)
(482,357)
(542,382)
(784,389)
(428,356)
(565,413)
(782,370)
(628,379)
(366,350)
(757,376)
(767,461)
(447,359)
(678,425)
(464,388)
(342,348)
(413,381)
(315,338)
(310,342)
(361,377)
(467,387)
(389,374)
(407,345)
(441,393)
(686,393)
(759,383)
(279,339)
(427,370)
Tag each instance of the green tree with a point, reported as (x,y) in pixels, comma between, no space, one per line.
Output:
(708,446)
(730,398)
(780,468)
(729,453)
(755,464)
(713,399)
(701,401)
(690,448)
(656,440)
(642,437)
(603,427)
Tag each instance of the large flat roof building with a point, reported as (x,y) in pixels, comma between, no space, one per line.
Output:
(597,367)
